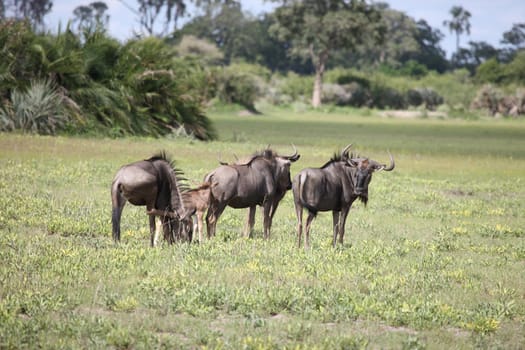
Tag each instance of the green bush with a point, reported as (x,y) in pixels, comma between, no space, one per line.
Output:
(298,87)
(336,94)
(515,70)
(238,87)
(360,95)
(346,77)
(414,69)
(137,88)
(490,71)
(424,96)
(383,96)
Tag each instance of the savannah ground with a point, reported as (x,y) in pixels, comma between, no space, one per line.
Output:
(436,260)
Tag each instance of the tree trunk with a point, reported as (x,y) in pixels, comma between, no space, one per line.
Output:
(319,72)
(318,89)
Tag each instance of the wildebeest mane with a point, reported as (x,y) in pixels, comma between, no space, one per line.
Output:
(337,157)
(267,154)
(178,182)
(163,156)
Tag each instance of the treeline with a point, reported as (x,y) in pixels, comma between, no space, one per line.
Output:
(346,53)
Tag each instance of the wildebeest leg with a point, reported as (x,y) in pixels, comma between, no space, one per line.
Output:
(342,222)
(169,227)
(214,212)
(250,222)
(200,224)
(267,220)
(336,223)
(309,219)
(273,209)
(152,230)
(299,214)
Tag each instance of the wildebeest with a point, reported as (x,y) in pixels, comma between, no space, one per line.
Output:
(334,186)
(196,202)
(155,183)
(262,180)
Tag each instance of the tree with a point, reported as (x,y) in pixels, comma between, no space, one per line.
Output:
(477,53)
(515,36)
(223,24)
(399,37)
(32,10)
(316,28)
(515,41)
(91,16)
(429,53)
(459,23)
(151,10)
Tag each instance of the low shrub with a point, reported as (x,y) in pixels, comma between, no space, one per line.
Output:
(385,97)
(424,96)
(336,94)
(496,102)
(38,110)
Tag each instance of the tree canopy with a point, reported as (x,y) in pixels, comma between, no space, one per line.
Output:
(315,28)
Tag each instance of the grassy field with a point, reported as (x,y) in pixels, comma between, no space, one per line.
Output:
(436,260)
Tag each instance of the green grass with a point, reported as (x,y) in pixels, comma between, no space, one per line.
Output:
(435,261)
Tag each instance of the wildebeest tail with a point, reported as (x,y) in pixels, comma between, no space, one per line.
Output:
(116,211)
(115,220)
(209,180)
(301,188)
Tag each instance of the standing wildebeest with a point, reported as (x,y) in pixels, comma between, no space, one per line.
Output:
(262,180)
(196,201)
(334,186)
(153,182)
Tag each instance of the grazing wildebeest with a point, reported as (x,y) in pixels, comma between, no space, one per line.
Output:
(196,202)
(262,180)
(153,182)
(334,186)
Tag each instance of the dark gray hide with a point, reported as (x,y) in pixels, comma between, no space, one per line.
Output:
(333,187)
(262,180)
(154,183)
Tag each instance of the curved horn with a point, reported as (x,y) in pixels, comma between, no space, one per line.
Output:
(294,156)
(344,152)
(390,167)
(392,163)
(221,162)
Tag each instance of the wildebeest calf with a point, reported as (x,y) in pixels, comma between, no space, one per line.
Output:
(196,201)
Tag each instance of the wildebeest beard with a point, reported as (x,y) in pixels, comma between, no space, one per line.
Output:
(363,198)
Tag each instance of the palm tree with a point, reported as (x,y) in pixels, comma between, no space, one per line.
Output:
(459,23)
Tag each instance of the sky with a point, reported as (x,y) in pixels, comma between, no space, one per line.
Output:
(490,18)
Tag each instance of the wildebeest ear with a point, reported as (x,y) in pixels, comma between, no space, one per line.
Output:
(353,163)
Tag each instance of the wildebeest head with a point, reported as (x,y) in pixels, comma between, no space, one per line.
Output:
(281,165)
(362,170)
